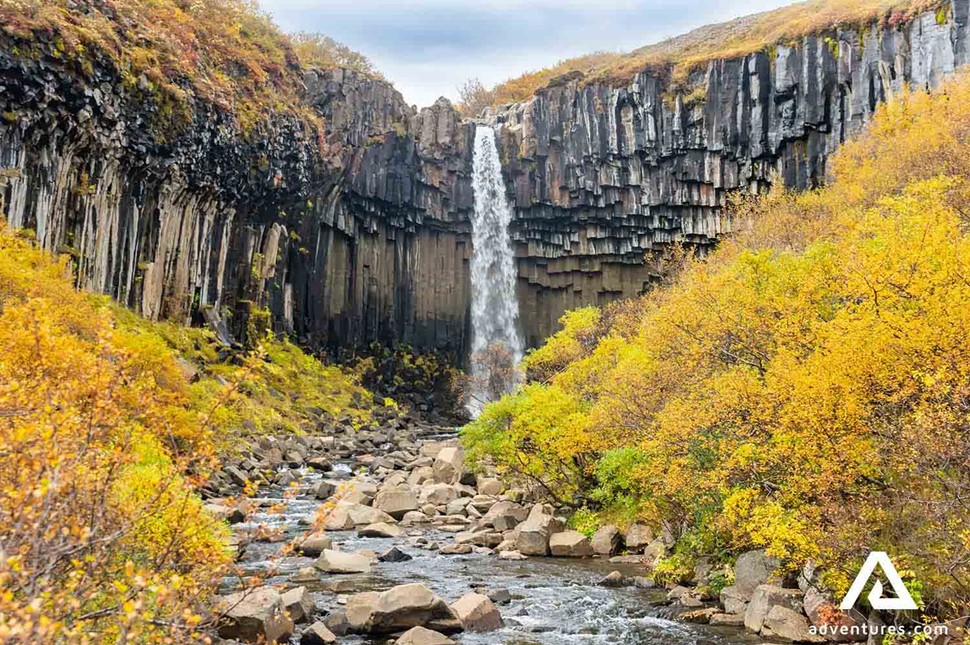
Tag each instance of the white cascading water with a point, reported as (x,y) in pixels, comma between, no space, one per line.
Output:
(497,345)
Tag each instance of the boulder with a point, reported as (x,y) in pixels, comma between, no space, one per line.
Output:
(505,515)
(607,540)
(347,515)
(763,599)
(319,463)
(238,477)
(487,538)
(323,489)
(733,601)
(790,625)
(449,465)
(533,533)
(570,544)
(286,479)
(638,537)
(421,476)
(727,620)
(317,634)
(422,636)
(298,604)
(615,580)
(823,612)
(512,555)
(477,613)
(754,568)
(698,616)
(339,562)
(399,608)
(438,494)
(255,615)
(360,492)
(396,502)
(380,530)
(305,575)
(313,545)
(394,554)
(490,486)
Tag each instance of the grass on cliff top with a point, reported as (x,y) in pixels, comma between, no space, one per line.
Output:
(725,40)
(224,51)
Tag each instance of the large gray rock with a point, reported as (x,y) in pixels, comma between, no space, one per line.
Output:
(396,502)
(764,598)
(477,613)
(438,494)
(348,515)
(752,569)
(790,625)
(255,615)
(823,612)
(423,636)
(505,515)
(490,486)
(533,534)
(449,465)
(638,536)
(317,634)
(298,604)
(399,608)
(380,530)
(733,601)
(570,544)
(313,545)
(339,562)
(607,540)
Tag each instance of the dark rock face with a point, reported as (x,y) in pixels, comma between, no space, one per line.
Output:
(347,236)
(605,177)
(359,232)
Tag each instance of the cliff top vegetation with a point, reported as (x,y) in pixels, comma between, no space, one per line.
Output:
(224,51)
(682,54)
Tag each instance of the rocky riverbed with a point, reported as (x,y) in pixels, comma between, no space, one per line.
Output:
(380,534)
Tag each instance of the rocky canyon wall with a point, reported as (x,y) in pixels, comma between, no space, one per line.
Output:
(605,178)
(359,231)
(346,236)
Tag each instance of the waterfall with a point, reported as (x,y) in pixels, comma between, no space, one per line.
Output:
(497,345)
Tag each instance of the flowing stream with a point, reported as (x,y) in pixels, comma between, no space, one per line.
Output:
(497,344)
(555,601)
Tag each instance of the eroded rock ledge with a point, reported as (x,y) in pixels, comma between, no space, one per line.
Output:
(360,233)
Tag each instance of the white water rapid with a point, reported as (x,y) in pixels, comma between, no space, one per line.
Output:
(497,345)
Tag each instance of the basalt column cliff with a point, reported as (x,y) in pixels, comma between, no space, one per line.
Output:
(359,231)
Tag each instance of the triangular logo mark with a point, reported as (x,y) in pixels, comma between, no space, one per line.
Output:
(881,559)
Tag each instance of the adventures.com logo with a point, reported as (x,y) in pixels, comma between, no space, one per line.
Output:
(901,600)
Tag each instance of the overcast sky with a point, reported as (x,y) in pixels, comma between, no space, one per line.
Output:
(428,47)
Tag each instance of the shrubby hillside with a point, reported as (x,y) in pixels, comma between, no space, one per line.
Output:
(109,426)
(805,388)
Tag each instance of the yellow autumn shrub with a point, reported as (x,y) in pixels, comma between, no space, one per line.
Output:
(102,536)
(806,388)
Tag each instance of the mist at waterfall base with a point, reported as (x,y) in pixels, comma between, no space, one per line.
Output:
(497,345)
